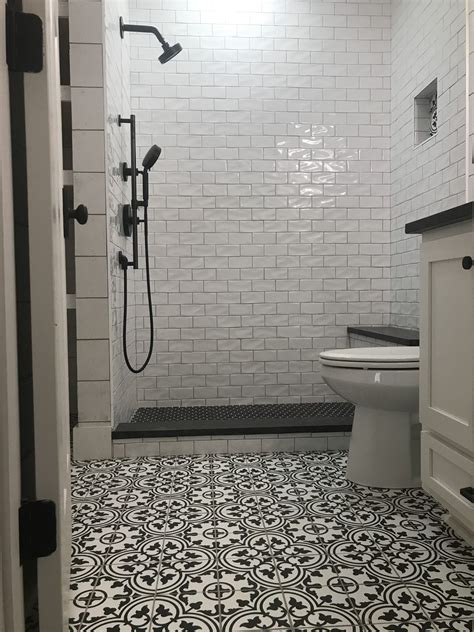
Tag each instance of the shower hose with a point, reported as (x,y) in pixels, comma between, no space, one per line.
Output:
(150,306)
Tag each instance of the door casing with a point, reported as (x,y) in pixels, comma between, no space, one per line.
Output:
(11,583)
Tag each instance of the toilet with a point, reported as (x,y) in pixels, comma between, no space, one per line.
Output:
(382,383)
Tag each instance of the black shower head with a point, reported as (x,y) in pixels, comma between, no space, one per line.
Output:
(151,157)
(169,52)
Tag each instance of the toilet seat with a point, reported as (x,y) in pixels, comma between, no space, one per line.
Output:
(380,358)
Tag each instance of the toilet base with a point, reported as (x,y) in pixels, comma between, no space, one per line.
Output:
(384,449)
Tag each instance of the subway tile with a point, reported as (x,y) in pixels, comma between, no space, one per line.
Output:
(89,189)
(275,193)
(92,318)
(92,441)
(85,22)
(91,238)
(93,360)
(88,153)
(87,106)
(86,65)
(94,401)
(91,277)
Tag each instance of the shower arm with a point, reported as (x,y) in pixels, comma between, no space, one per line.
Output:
(139,28)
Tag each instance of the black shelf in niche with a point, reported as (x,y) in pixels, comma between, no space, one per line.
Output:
(455,215)
(319,417)
(398,335)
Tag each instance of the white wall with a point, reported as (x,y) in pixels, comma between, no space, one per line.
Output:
(271,204)
(86,35)
(117,68)
(428,42)
(470,117)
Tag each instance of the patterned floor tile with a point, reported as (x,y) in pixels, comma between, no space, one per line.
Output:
(82,584)
(324,607)
(174,578)
(254,611)
(456,625)
(402,626)
(444,600)
(86,539)
(383,604)
(281,542)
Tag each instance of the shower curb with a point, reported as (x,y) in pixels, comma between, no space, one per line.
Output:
(231,429)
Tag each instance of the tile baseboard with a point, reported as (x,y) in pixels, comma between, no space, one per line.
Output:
(231,444)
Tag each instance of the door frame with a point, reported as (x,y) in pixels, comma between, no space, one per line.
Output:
(11,580)
(49,311)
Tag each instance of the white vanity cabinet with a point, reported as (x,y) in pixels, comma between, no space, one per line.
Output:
(447,371)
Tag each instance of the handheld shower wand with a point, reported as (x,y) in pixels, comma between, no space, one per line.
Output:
(150,159)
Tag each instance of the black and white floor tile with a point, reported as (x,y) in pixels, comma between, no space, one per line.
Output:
(247,543)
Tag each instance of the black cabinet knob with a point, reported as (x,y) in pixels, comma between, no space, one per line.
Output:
(467,263)
(80,214)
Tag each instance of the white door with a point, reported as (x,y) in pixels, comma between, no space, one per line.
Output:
(11,589)
(447,339)
(48,311)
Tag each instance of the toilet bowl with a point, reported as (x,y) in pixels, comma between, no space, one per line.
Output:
(382,382)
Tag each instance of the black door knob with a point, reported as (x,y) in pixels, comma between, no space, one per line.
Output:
(80,214)
(467,263)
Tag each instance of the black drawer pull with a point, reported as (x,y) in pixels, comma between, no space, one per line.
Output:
(467,493)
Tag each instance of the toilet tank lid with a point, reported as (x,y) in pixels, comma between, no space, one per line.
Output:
(373,354)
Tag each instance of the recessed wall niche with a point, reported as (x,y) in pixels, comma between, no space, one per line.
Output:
(426,113)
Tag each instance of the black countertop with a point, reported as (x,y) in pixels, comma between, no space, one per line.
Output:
(399,335)
(439,220)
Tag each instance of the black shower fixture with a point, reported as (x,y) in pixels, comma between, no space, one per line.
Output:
(151,157)
(168,51)
(131,222)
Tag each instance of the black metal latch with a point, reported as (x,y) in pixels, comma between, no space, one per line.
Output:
(467,493)
(37,527)
(24,41)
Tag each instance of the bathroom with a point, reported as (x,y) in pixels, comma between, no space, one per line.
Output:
(261,261)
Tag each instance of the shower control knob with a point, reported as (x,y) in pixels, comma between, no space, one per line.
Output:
(467,263)
(80,214)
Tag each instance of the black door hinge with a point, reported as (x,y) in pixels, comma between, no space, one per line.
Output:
(24,41)
(467,493)
(37,528)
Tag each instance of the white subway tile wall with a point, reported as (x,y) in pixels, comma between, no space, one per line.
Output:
(231,444)
(470,103)
(91,436)
(270,214)
(428,42)
(117,69)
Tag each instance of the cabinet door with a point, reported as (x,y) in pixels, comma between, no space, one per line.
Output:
(446,339)
(446,472)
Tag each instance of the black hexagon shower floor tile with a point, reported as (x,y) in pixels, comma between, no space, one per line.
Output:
(283,542)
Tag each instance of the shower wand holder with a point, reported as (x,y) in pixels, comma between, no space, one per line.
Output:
(131,226)
(125,171)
